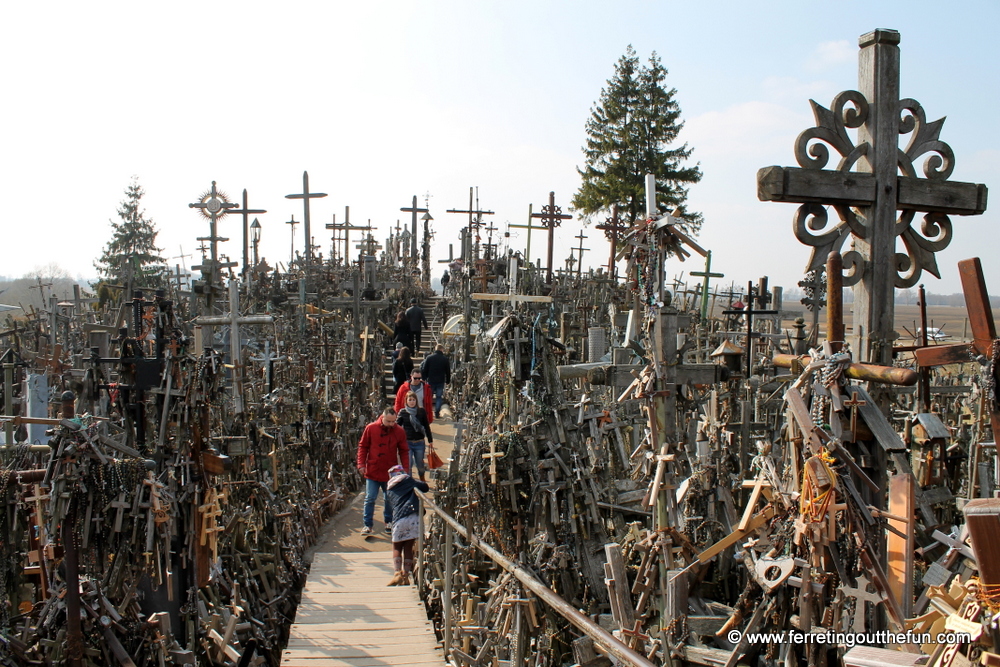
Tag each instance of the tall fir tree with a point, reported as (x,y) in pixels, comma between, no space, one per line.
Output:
(130,257)
(629,135)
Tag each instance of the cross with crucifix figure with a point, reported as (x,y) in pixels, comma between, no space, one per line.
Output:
(706,274)
(612,228)
(475,221)
(551,217)
(874,179)
(413,226)
(305,196)
(246,212)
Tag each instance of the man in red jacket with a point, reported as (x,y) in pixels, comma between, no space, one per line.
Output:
(383,445)
(425,395)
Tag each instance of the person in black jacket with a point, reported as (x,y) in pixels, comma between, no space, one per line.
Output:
(436,369)
(415,316)
(414,421)
(401,331)
(405,522)
(401,369)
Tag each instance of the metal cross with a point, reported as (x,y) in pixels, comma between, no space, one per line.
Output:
(612,229)
(551,217)
(580,250)
(291,250)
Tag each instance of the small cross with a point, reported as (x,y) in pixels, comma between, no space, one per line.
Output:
(492,457)
(854,404)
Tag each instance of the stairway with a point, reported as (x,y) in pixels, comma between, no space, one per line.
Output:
(430,337)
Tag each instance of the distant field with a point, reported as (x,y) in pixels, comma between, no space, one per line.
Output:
(952,319)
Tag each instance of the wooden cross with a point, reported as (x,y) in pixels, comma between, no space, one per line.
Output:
(612,228)
(413,225)
(749,311)
(246,212)
(305,196)
(476,222)
(706,274)
(291,247)
(120,504)
(854,403)
(867,198)
(551,217)
(492,458)
(511,482)
(984,332)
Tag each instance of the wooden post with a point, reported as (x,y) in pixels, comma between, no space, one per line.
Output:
(899,539)
(835,302)
(449,538)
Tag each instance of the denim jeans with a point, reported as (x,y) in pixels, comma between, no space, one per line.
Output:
(417,448)
(371,493)
(438,389)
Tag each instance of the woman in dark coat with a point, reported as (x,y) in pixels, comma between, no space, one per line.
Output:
(401,332)
(405,521)
(401,369)
(413,419)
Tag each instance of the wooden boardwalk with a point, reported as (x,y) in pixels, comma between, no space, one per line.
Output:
(348,616)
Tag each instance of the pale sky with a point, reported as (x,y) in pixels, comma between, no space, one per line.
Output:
(380,101)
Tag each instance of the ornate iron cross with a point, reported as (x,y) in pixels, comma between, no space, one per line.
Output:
(551,217)
(874,179)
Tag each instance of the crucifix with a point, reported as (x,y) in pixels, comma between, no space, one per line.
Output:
(213,205)
(612,229)
(579,253)
(706,274)
(475,220)
(305,196)
(873,180)
(246,212)
(551,217)
(413,225)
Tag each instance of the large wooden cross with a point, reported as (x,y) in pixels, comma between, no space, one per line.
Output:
(530,228)
(305,196)
(706,274)
(413,234)
(613,228)
(551,217)
(874,179)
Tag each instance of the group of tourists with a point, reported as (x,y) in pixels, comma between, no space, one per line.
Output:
(396,442)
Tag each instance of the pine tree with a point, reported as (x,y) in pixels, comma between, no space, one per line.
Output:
(628,136)
(130,257)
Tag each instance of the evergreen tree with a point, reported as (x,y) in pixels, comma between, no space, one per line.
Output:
(628,135)
(130,257)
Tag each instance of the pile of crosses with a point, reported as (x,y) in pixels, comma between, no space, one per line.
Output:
(821,486)
(168,459)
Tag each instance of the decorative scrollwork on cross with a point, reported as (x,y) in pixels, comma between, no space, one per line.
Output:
(811,223)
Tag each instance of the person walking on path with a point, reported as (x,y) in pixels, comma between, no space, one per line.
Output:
(382,446)
(417,320)
(401,369)
(418,387)
(405,522)
(436,370)
(401,332)
(413,419)
(445,279)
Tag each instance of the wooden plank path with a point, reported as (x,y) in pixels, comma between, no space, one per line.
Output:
(348,616)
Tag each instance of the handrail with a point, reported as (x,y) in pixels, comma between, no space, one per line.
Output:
(605,639)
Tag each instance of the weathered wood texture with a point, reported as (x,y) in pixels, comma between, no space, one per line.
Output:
(348,616)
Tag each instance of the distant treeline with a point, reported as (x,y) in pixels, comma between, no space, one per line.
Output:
(904,297)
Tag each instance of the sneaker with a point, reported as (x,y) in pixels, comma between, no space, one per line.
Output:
(367,530)
(388,529)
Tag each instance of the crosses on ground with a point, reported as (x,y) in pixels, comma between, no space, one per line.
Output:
(551,217)
(305,196)
(706,274)
(612,228)
(413,226)
(246,212)
(866,190)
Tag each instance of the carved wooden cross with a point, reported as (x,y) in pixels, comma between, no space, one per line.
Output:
(866,190)
(492,458)
(551,217)
(305,196)
(579,253)
(246,212)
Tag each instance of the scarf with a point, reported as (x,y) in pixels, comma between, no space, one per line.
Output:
(417,426)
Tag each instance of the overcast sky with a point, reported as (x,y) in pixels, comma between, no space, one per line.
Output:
(381,101)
